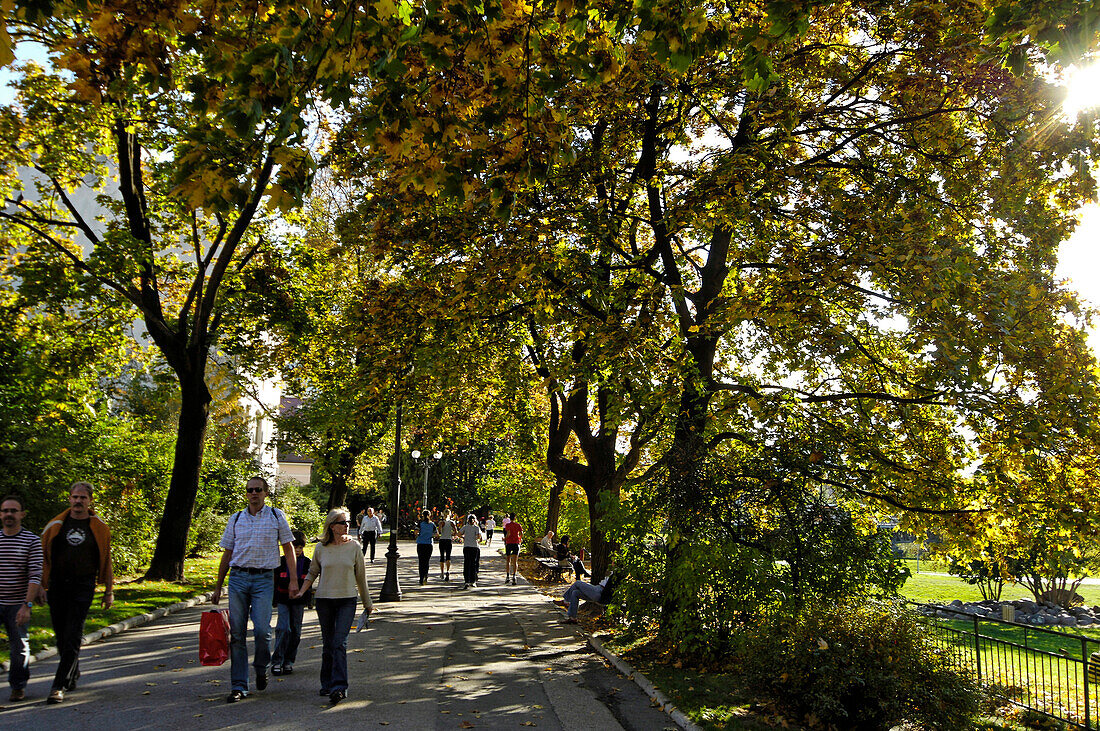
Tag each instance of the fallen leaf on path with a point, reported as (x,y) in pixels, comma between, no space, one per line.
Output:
(162,665)
(150,683)
(465,724)
(383,723)
(444,711)
(197,715)
(147,692)
(528,723)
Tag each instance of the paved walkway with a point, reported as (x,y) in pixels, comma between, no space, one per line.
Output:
(494,657)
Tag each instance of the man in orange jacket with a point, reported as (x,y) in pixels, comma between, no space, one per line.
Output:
(76,549)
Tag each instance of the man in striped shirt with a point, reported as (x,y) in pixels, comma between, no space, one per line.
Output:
(20,582)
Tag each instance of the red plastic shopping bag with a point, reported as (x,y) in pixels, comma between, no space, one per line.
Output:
(214,637)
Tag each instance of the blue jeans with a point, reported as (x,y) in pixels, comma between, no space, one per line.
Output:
(581,590)
(249,596)
(335,617)
(288,633)
(19,665)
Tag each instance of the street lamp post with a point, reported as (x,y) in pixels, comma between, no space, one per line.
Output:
(427,465)
(391,589)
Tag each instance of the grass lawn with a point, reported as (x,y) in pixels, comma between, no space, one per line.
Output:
(132,597)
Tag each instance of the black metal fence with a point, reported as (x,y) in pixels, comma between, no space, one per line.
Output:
(1049,672)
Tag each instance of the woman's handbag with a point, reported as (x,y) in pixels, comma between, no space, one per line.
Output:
(214,637)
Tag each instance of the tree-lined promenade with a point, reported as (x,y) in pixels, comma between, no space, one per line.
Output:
(717,290)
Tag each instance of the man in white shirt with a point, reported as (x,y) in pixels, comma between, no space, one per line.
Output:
(370,527)
(250,546)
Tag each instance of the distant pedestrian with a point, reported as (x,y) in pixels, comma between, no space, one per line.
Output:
(250,555)
(288,625)
(471,552)
(490,527)
(370,527)
(20,583)
(76,555)
(338,563)
(513,538)
(447,531)
(426,530)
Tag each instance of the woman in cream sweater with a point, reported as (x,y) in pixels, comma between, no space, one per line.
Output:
(338,561)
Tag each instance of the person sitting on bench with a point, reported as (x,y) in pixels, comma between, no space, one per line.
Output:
(545,546)
(599,593)
(568,560)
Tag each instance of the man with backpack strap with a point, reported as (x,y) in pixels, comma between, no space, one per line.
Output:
(250,555)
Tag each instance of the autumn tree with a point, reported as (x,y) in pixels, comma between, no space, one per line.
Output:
(843,220)
(145,161)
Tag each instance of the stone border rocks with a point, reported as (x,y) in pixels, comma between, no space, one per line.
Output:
(644,683)
(1020,611)
(128,623)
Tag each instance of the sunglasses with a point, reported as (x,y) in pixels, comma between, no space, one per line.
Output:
(254,489)
(344,523)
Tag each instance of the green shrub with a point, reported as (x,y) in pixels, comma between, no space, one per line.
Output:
(862,666)
(206,531)
(301,510)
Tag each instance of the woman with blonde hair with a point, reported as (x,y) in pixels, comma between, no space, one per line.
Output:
(338,561)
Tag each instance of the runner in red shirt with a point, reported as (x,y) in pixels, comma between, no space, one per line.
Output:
(513,537)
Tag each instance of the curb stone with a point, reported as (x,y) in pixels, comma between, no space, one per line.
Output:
(656,696)
(644,683)
(128,623)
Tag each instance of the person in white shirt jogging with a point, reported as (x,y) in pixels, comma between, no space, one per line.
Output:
(447,531)
(490,526)
(471,553)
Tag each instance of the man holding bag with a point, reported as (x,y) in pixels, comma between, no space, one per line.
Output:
(250,556)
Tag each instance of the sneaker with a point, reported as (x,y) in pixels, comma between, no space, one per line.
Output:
(276,670)
(465,586)
(237,695)
(337,696)
(288,670)
(261,681)
(322,691)
(56,696)
(17,694)
(570,620)
(474,584)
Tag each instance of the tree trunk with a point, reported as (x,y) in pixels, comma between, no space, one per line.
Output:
(179,504)
(341,476)
(553,511)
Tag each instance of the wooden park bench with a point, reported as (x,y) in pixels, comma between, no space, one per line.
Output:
(553,569)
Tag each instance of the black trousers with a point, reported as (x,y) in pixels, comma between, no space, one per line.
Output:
(471,562)
(370,538)
(69,603)
(424,553)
